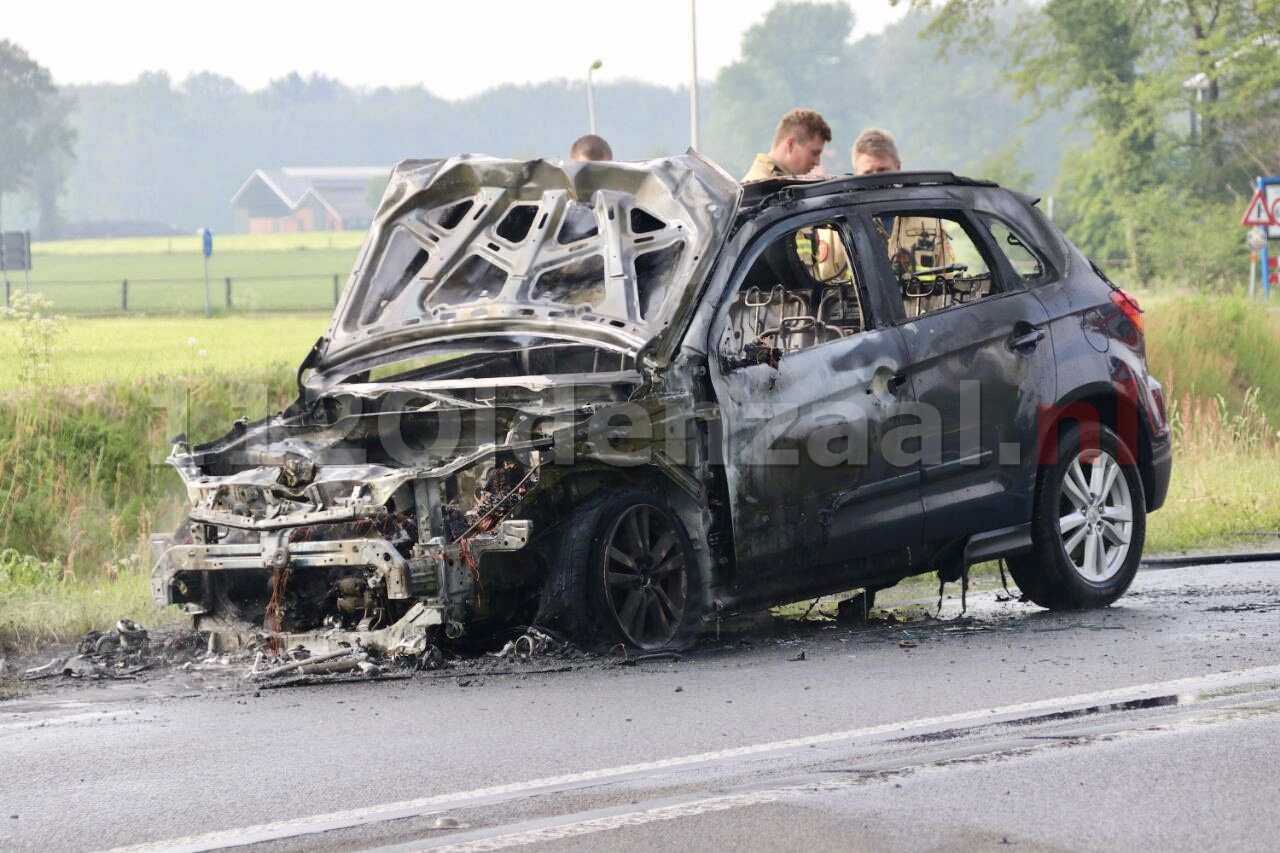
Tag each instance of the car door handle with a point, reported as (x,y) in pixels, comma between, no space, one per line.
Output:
(1029,339)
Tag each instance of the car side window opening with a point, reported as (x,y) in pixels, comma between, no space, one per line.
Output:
(800,291)
(1024,260)
(935,260)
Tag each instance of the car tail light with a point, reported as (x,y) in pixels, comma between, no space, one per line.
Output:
(1158,393)
(1129,306)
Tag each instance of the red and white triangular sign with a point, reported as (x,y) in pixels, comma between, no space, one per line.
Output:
(1256,213)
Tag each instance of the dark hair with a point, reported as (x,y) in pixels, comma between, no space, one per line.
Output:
(590,147)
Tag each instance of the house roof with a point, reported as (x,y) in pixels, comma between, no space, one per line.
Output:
(341,189)
(349,204)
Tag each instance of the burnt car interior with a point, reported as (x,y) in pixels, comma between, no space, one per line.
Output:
(935,259)
(801,291)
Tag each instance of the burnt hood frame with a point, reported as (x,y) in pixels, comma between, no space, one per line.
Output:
(607,253)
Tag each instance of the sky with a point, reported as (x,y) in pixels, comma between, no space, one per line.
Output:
(453,49)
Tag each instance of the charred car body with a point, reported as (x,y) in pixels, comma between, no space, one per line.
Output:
(619,398)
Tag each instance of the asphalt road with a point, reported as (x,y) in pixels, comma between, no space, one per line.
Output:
(1150,725)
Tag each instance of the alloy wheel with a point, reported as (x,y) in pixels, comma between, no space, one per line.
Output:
(645,575)
(1095,515)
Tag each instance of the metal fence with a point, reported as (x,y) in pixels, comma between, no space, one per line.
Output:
(240,294)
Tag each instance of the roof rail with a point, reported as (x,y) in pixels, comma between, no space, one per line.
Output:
(755,192)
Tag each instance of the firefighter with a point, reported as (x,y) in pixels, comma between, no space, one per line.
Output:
(797,147)
(915,243)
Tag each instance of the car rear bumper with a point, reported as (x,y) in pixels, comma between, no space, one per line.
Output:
(1161,471)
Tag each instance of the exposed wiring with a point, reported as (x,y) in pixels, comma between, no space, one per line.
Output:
(482,519)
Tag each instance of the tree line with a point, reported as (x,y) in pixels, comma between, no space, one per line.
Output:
(1144,119)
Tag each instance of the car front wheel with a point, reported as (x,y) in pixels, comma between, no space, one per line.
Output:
(1088,526)
(632,575)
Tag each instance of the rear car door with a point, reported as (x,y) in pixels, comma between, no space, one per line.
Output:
(980,363)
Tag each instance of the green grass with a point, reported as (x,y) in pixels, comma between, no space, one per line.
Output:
(83,485)
(52,606)
(166,275)
(95,351)
(1226,478)
(1205,347)
(1219,359)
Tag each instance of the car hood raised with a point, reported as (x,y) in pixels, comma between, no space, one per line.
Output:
(600,252)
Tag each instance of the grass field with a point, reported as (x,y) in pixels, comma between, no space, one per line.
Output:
(166,274)
(95,351)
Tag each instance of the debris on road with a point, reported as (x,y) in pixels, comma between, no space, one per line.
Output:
(121,653)
(652,656)
(533,642)
(345,660)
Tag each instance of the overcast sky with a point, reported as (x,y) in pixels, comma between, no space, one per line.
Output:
(454,49)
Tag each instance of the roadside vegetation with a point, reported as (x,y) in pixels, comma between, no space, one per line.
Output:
(83,483)
(1219,360)
(88,407)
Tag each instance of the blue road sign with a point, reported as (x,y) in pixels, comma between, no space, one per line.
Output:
(207,236)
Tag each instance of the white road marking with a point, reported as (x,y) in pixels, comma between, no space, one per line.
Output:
(639,818)
(482,796)
(44,722)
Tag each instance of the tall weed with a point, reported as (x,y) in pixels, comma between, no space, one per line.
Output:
(1216,347)
(32,330)
(1226,476)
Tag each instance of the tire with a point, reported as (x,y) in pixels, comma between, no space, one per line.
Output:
(1088,525)
(626,573)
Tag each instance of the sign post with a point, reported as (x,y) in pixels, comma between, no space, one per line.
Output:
(206,245)
(1261,214)
(15,254)
(1256,240)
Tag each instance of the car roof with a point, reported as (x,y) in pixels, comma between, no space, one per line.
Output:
(755,193)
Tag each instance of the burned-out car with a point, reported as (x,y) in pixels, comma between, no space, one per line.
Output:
(618,399)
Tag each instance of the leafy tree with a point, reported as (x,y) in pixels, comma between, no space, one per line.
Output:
(948,112)
(55,157)
(294,88)
(797,56)
(36,142)
(1002,165)
(211,88)
(1142,67)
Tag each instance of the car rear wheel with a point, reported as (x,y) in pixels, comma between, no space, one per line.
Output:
(1088,526)
(633,576)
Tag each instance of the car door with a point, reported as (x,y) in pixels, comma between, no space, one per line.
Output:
(979,362)
(808,382)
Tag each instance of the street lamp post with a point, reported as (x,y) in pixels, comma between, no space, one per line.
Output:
(591,96)
(693,83)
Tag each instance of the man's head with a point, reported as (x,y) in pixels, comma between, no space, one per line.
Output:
(798,141)
(875,152)
(590,147)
